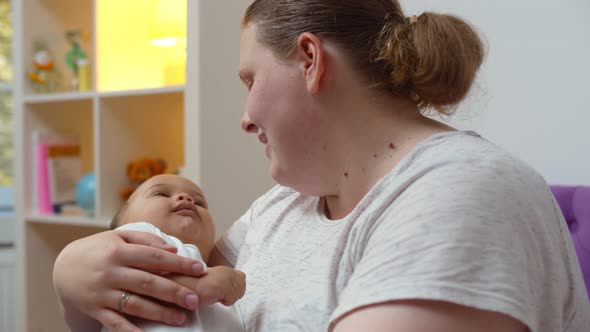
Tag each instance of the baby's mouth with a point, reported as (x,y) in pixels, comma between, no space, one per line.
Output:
(186,212)
(186,208)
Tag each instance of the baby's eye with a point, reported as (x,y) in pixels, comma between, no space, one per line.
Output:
(161,194)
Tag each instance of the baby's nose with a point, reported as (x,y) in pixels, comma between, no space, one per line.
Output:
(182,197)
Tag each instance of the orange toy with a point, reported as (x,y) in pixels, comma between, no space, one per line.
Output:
(140,170)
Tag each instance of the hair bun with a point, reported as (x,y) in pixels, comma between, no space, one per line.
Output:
(449,53)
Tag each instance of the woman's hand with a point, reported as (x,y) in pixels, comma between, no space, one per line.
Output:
(91,274)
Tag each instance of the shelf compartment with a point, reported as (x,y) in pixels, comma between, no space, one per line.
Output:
(72,117)
(126,58)
(42,246)
(48,21)
(133,127)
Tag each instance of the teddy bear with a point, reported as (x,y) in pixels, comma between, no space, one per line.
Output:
(139,171)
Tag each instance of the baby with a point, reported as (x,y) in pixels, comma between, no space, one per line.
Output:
(175,209)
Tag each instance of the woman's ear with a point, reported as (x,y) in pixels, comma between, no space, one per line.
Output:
(311,53)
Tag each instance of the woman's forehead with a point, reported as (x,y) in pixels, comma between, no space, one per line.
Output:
(249,47)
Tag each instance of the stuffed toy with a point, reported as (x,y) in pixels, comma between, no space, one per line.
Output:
(140,170)
(43,75)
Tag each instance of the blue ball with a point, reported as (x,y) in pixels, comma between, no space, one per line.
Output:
(85,190)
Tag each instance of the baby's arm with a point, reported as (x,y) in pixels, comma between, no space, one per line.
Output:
(218,284)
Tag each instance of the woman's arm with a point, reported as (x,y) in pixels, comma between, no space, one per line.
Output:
(423,315)
(91,274)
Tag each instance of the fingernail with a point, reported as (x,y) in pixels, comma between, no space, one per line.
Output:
(197,268)
(191,301)
(179,318)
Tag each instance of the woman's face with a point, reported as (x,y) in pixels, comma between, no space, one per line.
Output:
(280,111)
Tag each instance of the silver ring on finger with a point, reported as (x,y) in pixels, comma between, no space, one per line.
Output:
(123,301)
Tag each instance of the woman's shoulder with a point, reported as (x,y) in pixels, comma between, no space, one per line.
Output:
(466,157)
(457,172)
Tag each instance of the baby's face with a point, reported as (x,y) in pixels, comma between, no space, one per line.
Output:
(177,207)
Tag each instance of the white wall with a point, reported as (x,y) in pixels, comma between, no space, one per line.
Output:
(533,89)
(233,167)
(530,97)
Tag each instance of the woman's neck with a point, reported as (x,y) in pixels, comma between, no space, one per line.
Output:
(374,138)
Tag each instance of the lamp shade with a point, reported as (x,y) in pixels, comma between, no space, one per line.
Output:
(168,27)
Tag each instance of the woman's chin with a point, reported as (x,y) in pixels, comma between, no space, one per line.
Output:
(267,151)
(275,173)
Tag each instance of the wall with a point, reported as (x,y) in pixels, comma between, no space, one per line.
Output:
(233,167)
(530,96)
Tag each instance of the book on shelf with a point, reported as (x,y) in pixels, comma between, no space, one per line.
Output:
(56,170)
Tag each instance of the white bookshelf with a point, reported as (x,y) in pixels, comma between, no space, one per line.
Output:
(79,221)
(132,111)
(57,97)
(140,92)
(7,289)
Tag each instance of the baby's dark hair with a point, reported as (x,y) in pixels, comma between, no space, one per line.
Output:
(117,218)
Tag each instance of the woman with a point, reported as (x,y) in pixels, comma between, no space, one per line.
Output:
(383,218)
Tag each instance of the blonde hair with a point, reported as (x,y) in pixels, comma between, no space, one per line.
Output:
(432,59)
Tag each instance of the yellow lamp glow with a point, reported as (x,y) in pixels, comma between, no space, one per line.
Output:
(169,24)
(125,32)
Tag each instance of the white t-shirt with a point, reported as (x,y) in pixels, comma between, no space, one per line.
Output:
(457,220)
(212,318)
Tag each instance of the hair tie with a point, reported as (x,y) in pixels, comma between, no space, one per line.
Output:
(413,19)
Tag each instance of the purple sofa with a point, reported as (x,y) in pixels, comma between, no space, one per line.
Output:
(575,205)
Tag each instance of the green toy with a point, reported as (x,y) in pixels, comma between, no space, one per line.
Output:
(75,54)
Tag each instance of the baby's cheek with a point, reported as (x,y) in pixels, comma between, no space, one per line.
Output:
(208,223)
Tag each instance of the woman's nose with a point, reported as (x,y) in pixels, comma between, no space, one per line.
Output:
(247,124)
(183,196)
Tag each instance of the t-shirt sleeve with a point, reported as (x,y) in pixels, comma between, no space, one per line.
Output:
(230,243)
(461,237)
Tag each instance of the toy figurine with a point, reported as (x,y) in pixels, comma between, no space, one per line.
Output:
(44,75)
(76,54)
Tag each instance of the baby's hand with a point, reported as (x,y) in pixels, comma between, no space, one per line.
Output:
(218,284)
